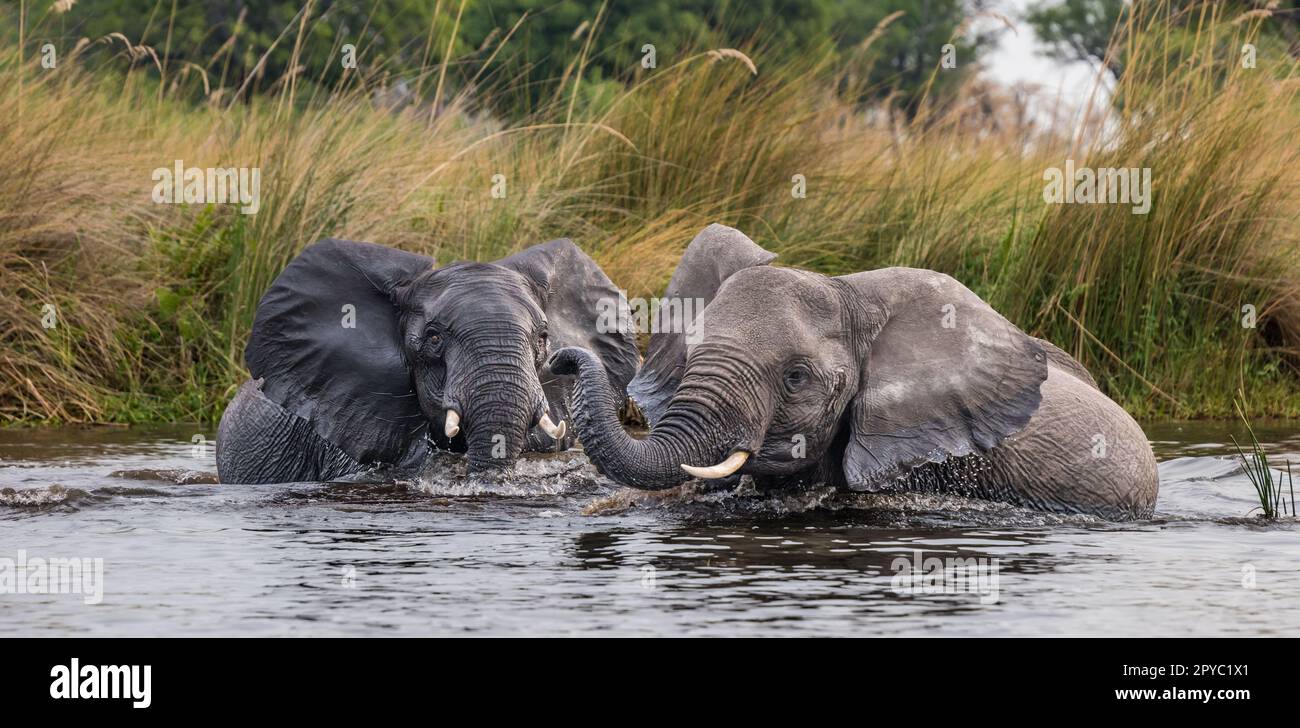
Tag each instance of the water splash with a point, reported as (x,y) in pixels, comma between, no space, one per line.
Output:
(446,474)
(176,476)
(49,498)
(697,501)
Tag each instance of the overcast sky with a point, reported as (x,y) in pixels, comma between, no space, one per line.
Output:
(1020,57)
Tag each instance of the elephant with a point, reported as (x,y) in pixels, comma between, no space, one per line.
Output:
(364,356)
(884,380)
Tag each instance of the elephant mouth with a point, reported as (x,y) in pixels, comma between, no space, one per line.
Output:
(451,425)
(492,439)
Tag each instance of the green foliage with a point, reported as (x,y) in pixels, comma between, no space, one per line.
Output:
(156,301)
(555,34)
(1078,30)
(181,340)
(1081,30)
(229,39)
(1268,487)
(252,46)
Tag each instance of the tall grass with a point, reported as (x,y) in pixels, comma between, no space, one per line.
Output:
(1268,487)
(1161,296)
(155,301)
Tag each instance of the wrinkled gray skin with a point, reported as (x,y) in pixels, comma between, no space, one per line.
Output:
(328,400)
(883,380)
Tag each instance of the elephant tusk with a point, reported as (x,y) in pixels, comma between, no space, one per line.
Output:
(721,470)
(550,428)
(453,424)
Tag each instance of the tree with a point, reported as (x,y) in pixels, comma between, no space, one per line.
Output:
(235,41)
(1078,30)
(1081,29)
(903,58)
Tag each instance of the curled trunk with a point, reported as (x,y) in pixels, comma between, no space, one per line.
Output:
(687,434)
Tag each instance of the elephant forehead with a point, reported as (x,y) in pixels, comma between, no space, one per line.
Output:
(776,300)
(479,292)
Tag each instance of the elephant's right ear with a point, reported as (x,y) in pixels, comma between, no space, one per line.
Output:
(327,342)
(713,256)
(943,375)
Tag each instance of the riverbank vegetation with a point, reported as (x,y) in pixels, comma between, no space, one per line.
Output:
(1174,310)
(1265,477)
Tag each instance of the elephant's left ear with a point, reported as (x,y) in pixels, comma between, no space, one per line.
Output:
(583,306)
(943,375)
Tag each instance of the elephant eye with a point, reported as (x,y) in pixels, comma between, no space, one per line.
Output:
(796,378)
(433,343)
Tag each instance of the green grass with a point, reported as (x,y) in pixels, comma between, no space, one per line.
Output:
(155,301)
(1269,490)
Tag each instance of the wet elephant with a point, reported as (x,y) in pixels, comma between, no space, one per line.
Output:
(888,379)
(363,355)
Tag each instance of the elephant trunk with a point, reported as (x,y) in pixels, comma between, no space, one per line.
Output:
(501,407)
(688,433)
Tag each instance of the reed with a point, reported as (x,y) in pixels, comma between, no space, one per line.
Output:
(1267,485)
(155,301)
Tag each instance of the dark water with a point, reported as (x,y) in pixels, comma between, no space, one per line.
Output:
(558,550)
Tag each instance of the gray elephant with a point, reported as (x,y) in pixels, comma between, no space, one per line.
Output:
(364,355)
(888,379)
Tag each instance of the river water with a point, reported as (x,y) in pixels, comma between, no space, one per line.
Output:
(557,550)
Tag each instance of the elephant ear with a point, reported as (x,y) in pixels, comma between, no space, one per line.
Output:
(712,257)
(945,375)
(583,306)
(1061,360)
(327,342)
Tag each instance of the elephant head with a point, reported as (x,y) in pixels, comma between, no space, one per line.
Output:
(380,351)
(793,375)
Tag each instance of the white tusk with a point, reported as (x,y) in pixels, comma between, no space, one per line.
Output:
(453,424)
(722,469)
(555,431)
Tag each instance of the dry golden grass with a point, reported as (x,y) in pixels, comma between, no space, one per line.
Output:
(155,301)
